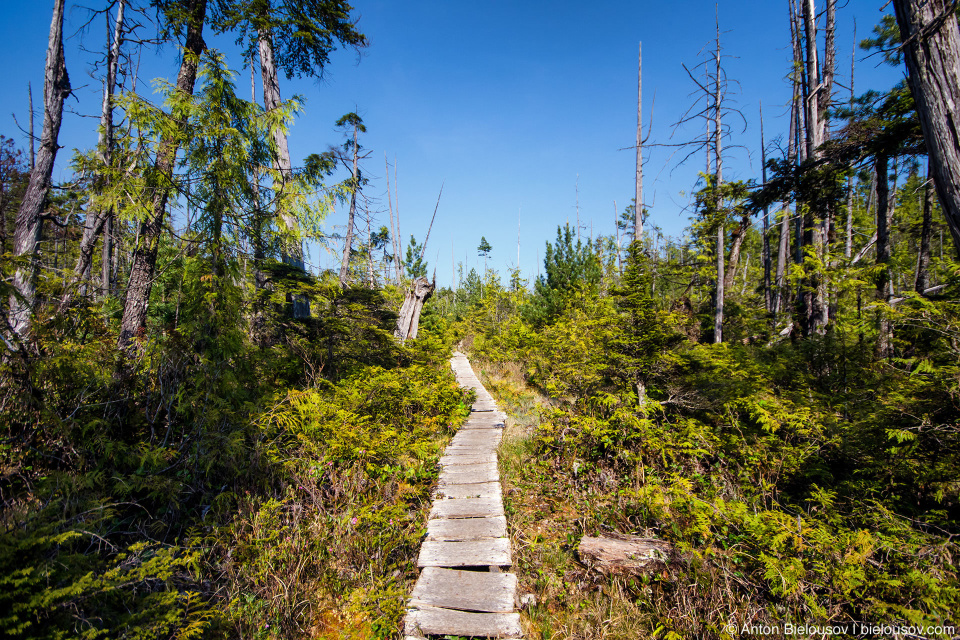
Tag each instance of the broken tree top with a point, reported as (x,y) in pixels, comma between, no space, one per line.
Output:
(463,589)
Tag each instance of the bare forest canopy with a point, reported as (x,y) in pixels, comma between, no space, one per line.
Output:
(201,436)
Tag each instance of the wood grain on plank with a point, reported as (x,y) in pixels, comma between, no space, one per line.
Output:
(462,475)
(492,552)
(478,591)
(467,507)
(466,458)
(474,490)
(436,621)
(466,528)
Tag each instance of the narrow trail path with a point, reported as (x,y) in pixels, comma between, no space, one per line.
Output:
(463,588)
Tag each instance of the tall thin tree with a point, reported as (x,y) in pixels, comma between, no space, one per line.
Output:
(718,183)
(29,223)
(638,208)
(143,269)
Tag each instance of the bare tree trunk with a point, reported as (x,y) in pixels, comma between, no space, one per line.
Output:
(813,289)
(271,100)
(825,90)
(370,279)
(885,339)
(144,265)
(932,52)
(348,242)
(783,248)
(812,80)
(638,211)
(29,224)
(616,226)
(96,219)
(923,259)
(394,241)
(33,139)
(801,131)
(737,237)
(848,244)
(721,236)
(767,298)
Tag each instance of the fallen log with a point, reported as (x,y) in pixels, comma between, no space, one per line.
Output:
(620,554)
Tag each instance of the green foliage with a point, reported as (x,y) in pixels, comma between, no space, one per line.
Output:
(303,34)
(413,262)
(484,248)
(568,265)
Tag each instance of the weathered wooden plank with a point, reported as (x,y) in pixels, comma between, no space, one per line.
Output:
(467,507)
(485,438)
(466,528)
(460,475)
(465,434)
(437,621)
(485,416)
(461,491)
(477,425)
(469,458)
(478,591)
(475,450)
(467,468)
(491,552)
(478,435)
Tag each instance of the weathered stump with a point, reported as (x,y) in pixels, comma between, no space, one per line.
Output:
(409,321)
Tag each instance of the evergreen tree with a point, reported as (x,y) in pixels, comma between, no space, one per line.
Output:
(413,262)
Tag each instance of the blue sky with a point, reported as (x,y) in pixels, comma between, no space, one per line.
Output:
(516,107)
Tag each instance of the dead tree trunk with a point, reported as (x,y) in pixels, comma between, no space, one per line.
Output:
(393,238)
(29,223)
(409,321)
(96,219)
(354,187)
(721,237)
(767,299)
(932,52)
(150,230)
(271,100)
(848,239)
(923,259)
(638,210)
(885,338)
(813,288)
(33,139)
(783,246)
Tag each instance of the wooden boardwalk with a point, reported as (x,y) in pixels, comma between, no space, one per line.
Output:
(463,589)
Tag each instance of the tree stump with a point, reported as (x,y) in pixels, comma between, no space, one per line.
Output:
(409,320)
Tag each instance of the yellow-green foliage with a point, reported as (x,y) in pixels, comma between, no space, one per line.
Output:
(798,484)
(214,487)
(334,552)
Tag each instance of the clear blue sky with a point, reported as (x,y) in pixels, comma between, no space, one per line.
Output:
(507,103)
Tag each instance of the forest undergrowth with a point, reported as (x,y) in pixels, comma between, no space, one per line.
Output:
(218,488)
(799,483)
